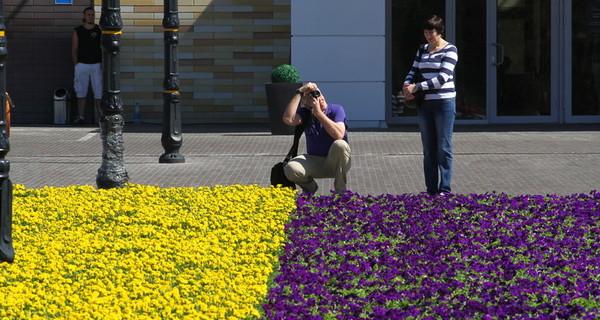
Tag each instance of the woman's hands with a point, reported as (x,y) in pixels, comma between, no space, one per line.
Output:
(408,90)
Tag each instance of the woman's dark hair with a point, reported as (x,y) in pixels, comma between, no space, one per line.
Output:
(434,23)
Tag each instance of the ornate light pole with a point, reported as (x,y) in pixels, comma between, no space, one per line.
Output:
(171,130)
(7,252)
(111,173)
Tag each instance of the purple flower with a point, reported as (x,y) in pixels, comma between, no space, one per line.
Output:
(490,256)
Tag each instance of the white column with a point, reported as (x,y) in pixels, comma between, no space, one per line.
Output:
(340,45)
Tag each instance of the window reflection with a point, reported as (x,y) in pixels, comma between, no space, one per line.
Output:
(470,73)
(586,57)
(523,32)
(407,35)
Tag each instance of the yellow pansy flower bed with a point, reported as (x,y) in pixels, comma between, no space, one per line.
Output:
(143,252)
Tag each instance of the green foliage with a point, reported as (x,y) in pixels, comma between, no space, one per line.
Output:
(285,73)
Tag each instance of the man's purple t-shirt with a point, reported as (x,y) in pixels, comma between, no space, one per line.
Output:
(318,141)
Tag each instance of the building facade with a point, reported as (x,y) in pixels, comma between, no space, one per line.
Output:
(227,49)
(520,61)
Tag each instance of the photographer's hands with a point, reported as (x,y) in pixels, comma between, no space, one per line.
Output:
(308,87)
(317,105)
(290,116)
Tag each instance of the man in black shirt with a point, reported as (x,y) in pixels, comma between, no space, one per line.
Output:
(87,59)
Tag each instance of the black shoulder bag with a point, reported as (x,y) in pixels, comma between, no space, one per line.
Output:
(277,174)
(417,77)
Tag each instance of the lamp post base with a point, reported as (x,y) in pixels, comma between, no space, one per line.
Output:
(7,251)
(112,173)
(171,158)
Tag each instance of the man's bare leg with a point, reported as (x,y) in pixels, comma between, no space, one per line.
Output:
(96,110)
(80,118)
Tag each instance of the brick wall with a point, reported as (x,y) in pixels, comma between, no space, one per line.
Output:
(227,49)
(39,55)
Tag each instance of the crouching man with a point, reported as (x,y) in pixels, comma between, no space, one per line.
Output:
(328,152)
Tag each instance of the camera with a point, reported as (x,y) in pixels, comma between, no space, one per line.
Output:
(315,93)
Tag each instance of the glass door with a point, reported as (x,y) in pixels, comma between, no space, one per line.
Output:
(471,77)
(520,66)
(582,60)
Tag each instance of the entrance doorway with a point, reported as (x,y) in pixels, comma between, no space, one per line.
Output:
(514,38)
(520,61)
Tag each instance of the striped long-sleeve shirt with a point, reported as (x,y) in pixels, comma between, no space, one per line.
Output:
(438,69)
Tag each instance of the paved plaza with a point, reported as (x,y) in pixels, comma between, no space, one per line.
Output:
(513,159)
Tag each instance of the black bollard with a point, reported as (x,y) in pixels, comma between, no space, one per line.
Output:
(171,129)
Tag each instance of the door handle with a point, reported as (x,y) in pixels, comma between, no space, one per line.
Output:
(501,55)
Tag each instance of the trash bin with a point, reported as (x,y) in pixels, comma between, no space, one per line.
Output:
(61,96)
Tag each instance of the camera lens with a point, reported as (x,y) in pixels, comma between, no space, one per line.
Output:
(315,94)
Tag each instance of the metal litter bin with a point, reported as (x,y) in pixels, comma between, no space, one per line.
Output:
(61,96)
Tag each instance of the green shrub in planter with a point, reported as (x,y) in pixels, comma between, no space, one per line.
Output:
(285,73)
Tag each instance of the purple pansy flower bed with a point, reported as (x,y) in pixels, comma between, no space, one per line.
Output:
(490,256)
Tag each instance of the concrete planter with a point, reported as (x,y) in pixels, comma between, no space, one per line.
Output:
(278,97)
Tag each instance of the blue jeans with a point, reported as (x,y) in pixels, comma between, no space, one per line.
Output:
(436,122)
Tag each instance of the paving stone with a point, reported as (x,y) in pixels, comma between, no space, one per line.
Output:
(531,159)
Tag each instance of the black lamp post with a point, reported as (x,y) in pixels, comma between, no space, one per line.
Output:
(171,129)
(7,252)
(111,173)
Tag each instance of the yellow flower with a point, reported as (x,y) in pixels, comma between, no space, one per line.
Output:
(142,252)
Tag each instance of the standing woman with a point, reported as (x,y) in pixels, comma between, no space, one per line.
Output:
(437,112)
